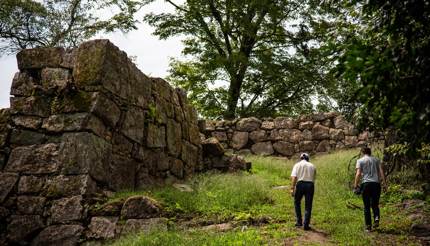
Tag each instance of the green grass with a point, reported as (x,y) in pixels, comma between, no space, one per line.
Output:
(243,197)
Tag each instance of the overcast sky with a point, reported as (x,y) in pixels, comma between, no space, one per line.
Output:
(152,54)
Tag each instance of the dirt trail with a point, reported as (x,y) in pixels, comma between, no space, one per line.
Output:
(312,237)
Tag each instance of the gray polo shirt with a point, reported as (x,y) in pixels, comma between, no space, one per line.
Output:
(369,167)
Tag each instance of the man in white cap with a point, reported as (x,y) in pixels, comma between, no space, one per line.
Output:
(303,178)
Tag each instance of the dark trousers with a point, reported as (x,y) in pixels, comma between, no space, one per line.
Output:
(305,189)
(371,194)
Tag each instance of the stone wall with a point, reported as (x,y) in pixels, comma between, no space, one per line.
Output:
(84,122)
(284,136)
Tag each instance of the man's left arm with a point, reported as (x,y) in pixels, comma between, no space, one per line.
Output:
(293,185)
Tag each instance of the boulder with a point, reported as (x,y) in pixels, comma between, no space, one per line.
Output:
(306,125)
(351,141)
(258,136)
(102,228)
(293,136)
(336,134)
(248,124)
(239,140)
(21,137)
(221,136)
(340,122)
(364,136)
(263,148)
(306,146)
(267,125)
(284,148)
(320,132)
(65,235)
(323,146)
(307,135)
(212,147)
(237,162)
(284,122)
(140,207)
(189,154)
(177,168)
(32,105)
(107,209)
(61,186)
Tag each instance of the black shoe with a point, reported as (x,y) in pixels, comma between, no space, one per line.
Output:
(368,229)
(298,225)
(307,228)
(376,223)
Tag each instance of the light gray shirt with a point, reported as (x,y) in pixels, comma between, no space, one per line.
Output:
(369,167)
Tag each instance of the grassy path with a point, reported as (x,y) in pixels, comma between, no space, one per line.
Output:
(251,212)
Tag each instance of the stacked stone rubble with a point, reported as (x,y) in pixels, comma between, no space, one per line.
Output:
(82,122)
(284,136)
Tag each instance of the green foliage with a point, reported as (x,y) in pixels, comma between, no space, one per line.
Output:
(29,23)
(253,57)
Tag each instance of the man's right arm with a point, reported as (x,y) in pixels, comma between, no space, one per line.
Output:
(357,175)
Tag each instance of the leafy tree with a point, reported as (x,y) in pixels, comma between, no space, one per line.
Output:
(253,57)
(30,23)
(383,59)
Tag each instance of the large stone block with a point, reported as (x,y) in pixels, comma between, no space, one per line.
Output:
(190,154)
(293,135)
(21,137)
(30,204)
(284,148)
(66,122)
(33,105)
(23,85)
(39,58)
(134,123)
(156,137)
(30,184)
(34,159)
(174,136)
(22,227)
(7,182)
(30,122)
(66,210)
(61,186)
(85,153)
(239,140)
(55,79)
(340,122)
(89,68)
(194,134)
(212,147)
(102,228)
(320,132)
(122,173)
(65,235)
(140,207)
(106,109)
(351,141)
(177,168)
(263,148)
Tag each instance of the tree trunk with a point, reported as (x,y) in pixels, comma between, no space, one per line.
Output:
(233,97)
